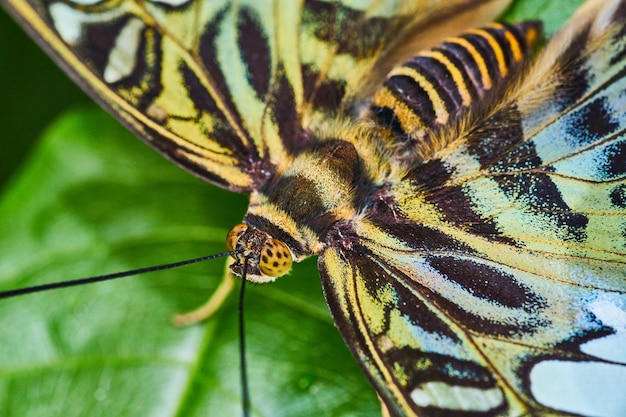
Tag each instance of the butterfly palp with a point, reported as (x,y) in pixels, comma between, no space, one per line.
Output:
(233,236)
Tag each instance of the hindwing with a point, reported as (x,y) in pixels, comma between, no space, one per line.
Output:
(496,265)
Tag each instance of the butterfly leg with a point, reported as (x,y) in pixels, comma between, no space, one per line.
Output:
(209,308)
(384,411)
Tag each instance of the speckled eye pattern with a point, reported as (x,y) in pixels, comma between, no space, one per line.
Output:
(275,258)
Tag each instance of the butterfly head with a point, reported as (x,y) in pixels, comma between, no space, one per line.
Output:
(267,258)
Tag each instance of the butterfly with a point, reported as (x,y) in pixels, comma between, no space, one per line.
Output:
(459,259)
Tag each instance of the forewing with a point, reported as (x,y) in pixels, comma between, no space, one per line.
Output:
(491,280)
(228,89)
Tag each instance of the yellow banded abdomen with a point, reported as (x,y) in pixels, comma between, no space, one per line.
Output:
(433,86)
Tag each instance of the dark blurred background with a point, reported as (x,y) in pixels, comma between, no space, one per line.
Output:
(33,91)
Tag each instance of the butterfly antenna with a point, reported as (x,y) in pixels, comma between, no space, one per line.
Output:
(82,281)
(245,393)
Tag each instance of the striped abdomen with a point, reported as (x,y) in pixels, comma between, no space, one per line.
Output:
(430,89)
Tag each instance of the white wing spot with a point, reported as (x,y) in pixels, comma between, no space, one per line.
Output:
(611,347)
(69,22)
(586,388)
(123,56)
(455,397)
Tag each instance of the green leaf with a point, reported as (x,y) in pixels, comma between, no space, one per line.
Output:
(95,200)
(553,13)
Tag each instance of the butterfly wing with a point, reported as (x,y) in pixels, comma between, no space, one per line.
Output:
(493,278)
(227,89)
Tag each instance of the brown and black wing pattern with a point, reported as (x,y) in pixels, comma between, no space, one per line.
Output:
(229,89)
(492,279)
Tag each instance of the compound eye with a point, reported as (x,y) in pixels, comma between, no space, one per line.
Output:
(233,236)
(275,258)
